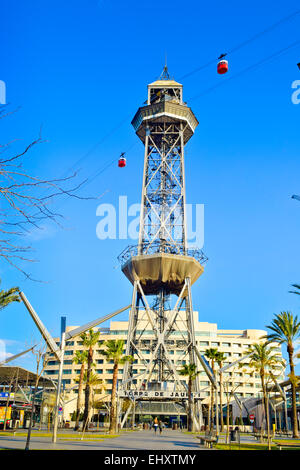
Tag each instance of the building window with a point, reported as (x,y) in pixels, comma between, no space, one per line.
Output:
(51,372)
(66,382)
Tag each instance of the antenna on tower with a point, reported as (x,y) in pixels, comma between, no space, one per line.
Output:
(165,73)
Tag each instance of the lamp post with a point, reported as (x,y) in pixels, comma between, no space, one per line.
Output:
(58,390)
(217,409)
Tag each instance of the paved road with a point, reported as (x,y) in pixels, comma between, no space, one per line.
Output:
(139,440)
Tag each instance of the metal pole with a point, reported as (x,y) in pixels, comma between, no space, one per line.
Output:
(285,414)
(217,410)
(62,351)
(133,414)
(41,327)
(7,403)
(126,415)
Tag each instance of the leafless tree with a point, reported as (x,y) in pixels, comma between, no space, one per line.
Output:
(41,363)
(26,200)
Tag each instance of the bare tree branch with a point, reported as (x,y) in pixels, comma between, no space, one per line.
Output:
(27,200)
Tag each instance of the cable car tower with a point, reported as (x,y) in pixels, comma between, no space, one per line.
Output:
(161,267)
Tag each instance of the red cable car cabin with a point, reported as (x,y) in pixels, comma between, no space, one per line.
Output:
(222,66)
(122,162)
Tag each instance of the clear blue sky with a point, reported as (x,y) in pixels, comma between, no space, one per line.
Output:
(80,69)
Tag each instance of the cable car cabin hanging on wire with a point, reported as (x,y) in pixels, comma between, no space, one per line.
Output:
(222,64)
(122,160)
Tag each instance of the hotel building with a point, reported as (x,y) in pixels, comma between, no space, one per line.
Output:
(233,343)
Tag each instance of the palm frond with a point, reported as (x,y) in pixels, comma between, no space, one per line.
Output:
(297,292)
(9,296)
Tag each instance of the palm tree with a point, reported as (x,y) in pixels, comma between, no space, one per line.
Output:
(263,360)
(80,358)
(9,296)
(212,354)
(285,330)
(114,352)
(96,386)
(190,371)
(90,339)
(220,359)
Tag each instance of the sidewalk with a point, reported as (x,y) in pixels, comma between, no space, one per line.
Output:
(139,440)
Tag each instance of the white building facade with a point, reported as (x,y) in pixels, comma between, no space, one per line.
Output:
(233,343)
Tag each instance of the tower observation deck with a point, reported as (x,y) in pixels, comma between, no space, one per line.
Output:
(161,267)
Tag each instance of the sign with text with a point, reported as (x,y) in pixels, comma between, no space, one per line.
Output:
(5,395)
(140,394)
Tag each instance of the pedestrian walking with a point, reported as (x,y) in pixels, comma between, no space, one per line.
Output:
(160,425)
(155,424)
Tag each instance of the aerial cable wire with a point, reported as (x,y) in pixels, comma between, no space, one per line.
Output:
(217,85)
(244,43)
(247,69)
(265,31)
(101,170)
(96,145)
(207,64)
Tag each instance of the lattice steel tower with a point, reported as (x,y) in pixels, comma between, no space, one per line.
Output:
(161,267)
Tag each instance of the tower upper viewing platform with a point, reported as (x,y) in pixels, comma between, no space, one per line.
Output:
(165,105)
